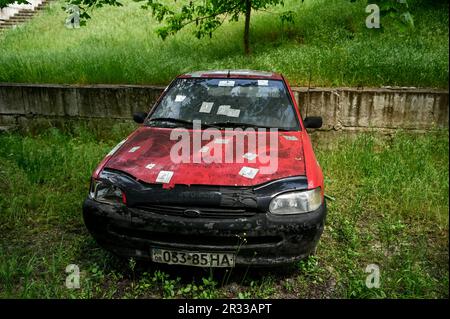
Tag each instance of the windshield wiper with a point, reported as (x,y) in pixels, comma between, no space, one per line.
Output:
(180,121)
(219,125)
(242,125)
(170,120)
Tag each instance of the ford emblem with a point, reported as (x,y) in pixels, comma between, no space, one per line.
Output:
(191,213)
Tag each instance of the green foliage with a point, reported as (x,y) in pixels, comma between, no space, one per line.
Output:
(390,209)
(210,14)
(87,5)
(120,46)
(207,15)
(396,9)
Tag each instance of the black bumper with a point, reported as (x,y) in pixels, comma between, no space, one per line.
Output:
(263,239)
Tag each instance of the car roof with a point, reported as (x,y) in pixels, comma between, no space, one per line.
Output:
(230,73)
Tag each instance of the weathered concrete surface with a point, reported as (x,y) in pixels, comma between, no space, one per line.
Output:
(356,109)
(348,109)
(93,101)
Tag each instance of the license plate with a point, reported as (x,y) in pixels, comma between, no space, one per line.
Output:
(200,259)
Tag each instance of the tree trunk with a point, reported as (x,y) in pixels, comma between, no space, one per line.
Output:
(248,9)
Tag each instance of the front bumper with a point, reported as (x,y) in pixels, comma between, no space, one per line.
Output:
(263,239)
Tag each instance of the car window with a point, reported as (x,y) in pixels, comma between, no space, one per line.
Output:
(264,103)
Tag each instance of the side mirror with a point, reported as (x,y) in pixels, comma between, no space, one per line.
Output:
(139,117)
(313,122)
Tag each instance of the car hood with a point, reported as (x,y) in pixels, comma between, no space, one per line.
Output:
(217,159)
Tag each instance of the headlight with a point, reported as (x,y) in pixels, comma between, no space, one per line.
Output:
(298,202)
(105,192)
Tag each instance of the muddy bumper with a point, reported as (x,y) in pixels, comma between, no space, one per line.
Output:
(260,239)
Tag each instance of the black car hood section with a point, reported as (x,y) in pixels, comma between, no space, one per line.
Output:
(255,197)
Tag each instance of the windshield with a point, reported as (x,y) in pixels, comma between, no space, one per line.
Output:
(221,102)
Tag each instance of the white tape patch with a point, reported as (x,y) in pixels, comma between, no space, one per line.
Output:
(204,149)
(150,166)
(228,111)
(234,112)
(263,82)
(114,150)
(290,137)
(206,107)
(248,172)
(250,156)
(180,98)
(226,83)
(134,149)
(223,110)
(164,177)
(221,141)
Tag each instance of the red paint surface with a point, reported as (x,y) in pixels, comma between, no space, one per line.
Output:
(155,147)
(313,171)
(294,158)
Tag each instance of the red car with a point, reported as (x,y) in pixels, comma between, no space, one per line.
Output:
(221,172)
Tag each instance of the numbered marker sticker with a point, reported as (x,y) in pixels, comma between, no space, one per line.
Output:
(180,98)
(204,149)
(164,177)
(228,111)
(206,107)
(223,110)
(134,149)
(221,141)
(248,172)
(234,112)
(250,156)
(226,83)
(290,137)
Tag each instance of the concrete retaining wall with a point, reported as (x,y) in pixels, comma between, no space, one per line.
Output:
(353,109)
(341,108)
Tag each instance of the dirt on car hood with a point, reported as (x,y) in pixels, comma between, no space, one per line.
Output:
(229,158)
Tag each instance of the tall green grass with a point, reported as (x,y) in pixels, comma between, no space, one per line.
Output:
(390,208)
(327,44)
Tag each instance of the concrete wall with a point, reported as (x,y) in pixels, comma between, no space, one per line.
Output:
(345,109)
(354,109)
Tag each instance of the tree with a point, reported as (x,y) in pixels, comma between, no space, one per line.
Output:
(397,9)
(207,15)
(5,3)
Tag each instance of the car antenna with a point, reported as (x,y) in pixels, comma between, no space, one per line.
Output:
(309,88)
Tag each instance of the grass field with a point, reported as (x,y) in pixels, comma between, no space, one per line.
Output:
(328,43)
(390,209)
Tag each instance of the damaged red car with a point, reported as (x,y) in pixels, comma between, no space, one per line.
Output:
(220,172)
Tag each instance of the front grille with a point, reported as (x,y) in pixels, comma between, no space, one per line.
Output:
(205,212)
(195,239)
